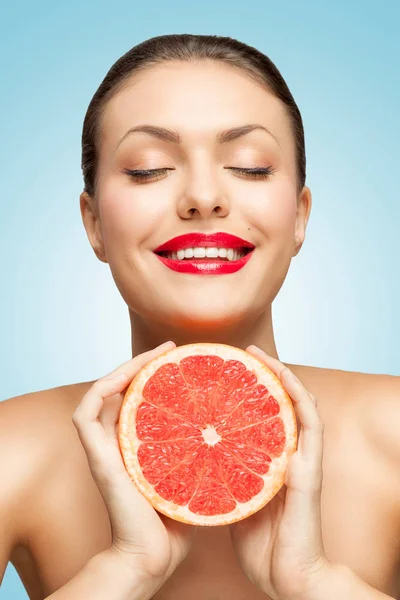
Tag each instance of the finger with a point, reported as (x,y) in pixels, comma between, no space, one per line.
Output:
(310,443)
(86,415)
(304,404)
(272,363)
(109,415)
(304,475)
(89,428)
(132,366)
(92,405)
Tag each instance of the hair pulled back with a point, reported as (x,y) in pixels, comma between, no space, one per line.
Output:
(186,47)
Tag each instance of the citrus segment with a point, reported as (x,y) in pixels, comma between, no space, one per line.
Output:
(206,432)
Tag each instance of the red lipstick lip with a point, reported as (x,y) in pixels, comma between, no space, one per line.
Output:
(195,240)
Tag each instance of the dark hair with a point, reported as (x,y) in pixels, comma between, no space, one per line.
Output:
(186,47)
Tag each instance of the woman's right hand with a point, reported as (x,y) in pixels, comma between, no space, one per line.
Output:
(151,542)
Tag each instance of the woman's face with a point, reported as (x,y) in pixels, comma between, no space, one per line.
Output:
(199,193)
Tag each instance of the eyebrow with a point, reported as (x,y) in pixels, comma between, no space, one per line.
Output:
(169,135)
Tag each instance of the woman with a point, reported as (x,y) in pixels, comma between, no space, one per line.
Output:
(191,134)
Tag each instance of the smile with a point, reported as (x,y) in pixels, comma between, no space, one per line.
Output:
(206,261)
(209,253)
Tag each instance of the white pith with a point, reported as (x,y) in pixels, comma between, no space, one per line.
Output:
(129,442)
(201,252)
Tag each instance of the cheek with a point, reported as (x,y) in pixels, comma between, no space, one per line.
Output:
(273,211)
(128,218)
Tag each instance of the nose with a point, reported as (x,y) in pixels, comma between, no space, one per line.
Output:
(203,196)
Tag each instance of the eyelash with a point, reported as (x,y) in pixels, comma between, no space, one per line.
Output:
(147,174)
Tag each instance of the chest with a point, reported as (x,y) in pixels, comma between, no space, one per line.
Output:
(360,524)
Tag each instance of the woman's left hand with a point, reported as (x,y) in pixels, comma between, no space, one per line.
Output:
(280,547)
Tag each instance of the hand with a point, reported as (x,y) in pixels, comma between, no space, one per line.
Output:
(151,542)
(280,547)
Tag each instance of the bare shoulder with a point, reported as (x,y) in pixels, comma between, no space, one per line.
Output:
(324,379)
(32,420)
(49,399)
(378,399)
(373,400)
(34,430)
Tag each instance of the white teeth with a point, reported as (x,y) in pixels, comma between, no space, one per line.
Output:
(199,252)
(202,252)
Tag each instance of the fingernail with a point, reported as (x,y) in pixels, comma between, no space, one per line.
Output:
(257,348)
(117,376)
(165,344)
(292,375)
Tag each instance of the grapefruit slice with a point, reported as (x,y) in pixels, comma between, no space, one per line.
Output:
(206,432)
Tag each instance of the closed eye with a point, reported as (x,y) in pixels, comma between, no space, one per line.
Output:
(147,174)
(257,172)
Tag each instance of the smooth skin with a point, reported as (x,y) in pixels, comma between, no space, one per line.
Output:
(280,547)
(153,544)
(128,219)
(64,501)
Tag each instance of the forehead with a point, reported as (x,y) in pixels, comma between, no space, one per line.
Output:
(195,98)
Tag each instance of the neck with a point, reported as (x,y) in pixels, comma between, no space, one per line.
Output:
(147,335)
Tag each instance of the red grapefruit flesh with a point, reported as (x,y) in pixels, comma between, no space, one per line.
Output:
(206,432)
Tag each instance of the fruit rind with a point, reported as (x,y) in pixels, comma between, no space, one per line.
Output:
(129,443)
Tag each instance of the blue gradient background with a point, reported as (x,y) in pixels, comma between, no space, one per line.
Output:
(63,320)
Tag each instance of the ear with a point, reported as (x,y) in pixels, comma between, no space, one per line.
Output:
(304,203)
(91,221)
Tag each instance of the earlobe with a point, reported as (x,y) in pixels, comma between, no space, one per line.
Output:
(91,222)
(304,203)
